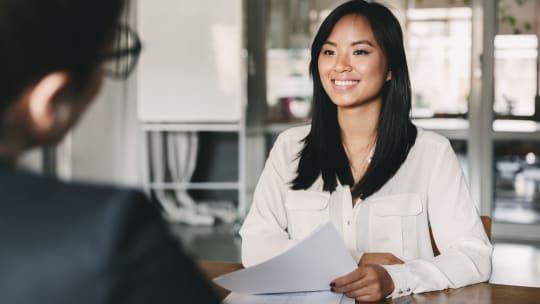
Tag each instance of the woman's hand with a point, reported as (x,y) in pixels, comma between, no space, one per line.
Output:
(381,258)
(367,283)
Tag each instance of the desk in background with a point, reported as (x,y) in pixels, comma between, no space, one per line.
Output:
(483,293)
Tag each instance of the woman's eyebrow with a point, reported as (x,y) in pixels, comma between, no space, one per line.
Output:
(352,44)
(362,42)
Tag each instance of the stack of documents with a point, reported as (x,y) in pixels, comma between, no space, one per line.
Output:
(300,275)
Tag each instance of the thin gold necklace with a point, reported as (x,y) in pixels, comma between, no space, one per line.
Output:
(365,160)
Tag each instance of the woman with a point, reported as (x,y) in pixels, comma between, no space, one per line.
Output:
(74,242)
(366,168)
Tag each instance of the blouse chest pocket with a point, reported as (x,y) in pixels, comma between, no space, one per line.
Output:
(306,210)
(393,224)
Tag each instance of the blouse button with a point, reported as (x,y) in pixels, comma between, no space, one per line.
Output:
(348,222)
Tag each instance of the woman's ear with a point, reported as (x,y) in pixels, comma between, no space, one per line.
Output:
(44,110)
(389,75)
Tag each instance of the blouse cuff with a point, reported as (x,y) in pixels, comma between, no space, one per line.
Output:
(400,275)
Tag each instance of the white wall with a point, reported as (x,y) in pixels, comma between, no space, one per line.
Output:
(191,69)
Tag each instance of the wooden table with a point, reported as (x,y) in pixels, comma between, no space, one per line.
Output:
(483,293)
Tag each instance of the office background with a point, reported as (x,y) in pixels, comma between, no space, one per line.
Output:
(217,81)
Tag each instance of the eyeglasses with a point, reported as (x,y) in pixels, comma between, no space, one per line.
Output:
(122,59)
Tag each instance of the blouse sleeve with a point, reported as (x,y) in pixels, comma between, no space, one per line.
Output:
(264,231)
(458,232)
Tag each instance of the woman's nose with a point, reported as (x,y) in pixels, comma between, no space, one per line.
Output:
(342,64)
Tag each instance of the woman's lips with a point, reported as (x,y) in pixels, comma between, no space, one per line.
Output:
(344,84)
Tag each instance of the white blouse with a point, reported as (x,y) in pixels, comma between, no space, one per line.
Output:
(428,190)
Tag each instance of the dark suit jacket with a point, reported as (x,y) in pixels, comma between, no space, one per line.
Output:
(78,243)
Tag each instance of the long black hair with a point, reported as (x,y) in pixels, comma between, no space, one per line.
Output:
(323,153)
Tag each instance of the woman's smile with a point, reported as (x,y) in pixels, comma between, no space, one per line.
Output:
(344,84)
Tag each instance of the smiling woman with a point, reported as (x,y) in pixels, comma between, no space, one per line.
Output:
(352,66)
(371,51)
(365,167)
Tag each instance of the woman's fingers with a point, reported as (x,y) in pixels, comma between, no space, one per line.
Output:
(366,283)
(347,279)
(367,294)
(352,286)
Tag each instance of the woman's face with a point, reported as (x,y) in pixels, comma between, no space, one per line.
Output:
(352,66)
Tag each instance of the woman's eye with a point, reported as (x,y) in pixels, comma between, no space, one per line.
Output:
(328,52)
(360,52)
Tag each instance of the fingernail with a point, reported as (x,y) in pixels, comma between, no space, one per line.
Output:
(332,289)
(332,284)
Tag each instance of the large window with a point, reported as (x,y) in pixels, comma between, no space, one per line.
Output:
(517,141)
(515,75)
(517,181)
(292,25)
(439,55)
(516,59)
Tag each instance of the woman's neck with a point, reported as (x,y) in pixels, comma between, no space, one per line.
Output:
(359,126)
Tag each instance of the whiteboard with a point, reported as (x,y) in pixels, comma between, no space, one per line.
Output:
(191,66)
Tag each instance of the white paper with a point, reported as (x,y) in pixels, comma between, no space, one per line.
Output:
(308,266)
(317,297)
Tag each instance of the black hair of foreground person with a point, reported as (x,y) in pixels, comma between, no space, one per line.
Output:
(323,153)
(65,243)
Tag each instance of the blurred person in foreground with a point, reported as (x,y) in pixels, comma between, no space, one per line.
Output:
(74,242)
